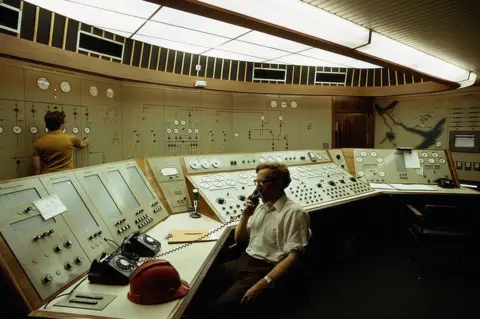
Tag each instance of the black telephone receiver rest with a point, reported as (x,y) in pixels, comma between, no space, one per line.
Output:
(446,183)
(141,245)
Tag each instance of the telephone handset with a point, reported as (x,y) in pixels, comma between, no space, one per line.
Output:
(255,197)
(140,244)
(113,269)
(446,183)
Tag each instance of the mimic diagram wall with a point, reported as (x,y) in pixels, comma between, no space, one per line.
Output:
(125,120)
(427,122)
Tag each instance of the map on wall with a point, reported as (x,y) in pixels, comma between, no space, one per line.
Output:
(419,128)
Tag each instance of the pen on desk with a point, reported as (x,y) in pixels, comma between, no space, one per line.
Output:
(192,233)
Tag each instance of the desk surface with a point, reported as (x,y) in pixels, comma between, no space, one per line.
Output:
(191,262)
(437,191)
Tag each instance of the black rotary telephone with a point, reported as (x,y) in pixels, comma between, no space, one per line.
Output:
(445,183)
(113,269)
(140,244)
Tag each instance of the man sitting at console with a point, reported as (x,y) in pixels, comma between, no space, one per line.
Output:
(275,233)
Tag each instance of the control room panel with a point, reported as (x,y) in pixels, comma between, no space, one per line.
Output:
(390,166)
(313,186)
(103,203)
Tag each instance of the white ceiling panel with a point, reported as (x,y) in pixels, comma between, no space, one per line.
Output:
(123,34)
(271,41)
(168,32)
(251,50)
(338,59)
(170,44)
(297,59)
(232,56)
(196,22)
(299,16)
(86,14)
(137,8)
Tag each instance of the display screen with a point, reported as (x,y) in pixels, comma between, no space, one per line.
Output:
(101,197)
(18,198)
(467,141)
(31,225)
(138,182)
(78,215)
(124,195)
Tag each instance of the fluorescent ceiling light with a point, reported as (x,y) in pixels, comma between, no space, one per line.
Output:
(273,42)
(93,16)
(232,56)
(301,17)
(196,22)
(394,51)
(251,50)
(472,77)
(337,58)
(137,8)
(168,32)
(297,59)
(171,44)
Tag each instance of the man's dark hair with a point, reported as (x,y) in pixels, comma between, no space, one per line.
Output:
(53,120)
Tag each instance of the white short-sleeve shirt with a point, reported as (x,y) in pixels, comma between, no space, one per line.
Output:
(275,232)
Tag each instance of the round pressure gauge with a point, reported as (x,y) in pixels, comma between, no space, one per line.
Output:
(183,122)
(293,105)
(86,130)
(196,131)
(262,118)
(236,134)
(17,129)
(75,130)
(284,104)
(273,103)
(65,87)
(43,83)
(175,122)
(190,131)
(169,130)
(33,129)
(110,93)
(93,90)
(175,131)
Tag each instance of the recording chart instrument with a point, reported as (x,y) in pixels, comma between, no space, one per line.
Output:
(313,186)
(389,166)
(47,250)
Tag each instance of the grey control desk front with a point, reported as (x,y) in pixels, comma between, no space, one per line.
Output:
(191,262)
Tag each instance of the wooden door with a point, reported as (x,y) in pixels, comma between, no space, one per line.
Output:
(353,130)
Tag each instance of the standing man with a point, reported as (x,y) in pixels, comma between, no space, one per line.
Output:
(53,151)
(275,233)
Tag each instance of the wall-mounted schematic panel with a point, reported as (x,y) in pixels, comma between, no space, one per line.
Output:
(47,250)
(169,174)
(392,166)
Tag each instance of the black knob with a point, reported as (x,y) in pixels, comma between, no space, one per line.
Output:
(331,183)
(47,279)
(45,234)
(69,265)
(342,181)
(319,185)
(37,237)
(28,209)
(241,197)
(57,248)
(51,231)
(90,237)
(68,243)
(221,200)
(78,260)
(353,179)
(231,163)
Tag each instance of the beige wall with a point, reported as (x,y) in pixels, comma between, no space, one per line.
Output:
(136,122)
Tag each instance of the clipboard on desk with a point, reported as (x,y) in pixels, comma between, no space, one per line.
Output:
(180,236)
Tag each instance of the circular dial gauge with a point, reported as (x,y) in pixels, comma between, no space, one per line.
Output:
(359,159)
(33,129)
(435,154)
(175,131)
(236,134)
(175,122)
(215,163)
(205,164)
(278,159)
(75,130)
(360,174)
(421,161)
(374,154)
(230,182)
(363,154)
(270,159)
(183,122)
(442,161)
(284,104)
(243,175)
(65,87)
(86,130)
(194,164)
(379,160)
(261,160)
(424,154)
(293,105)
(431,160)
(206,179)
(43,83)
(196,131)
(439,144)
(381,174)
(218,184)
(93,90)
(190,131)
(219,177)
(17,129)
(273,103)
(110,93)
(169,130)
(204,185)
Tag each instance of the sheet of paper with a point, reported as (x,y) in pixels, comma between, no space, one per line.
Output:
(50,206)
(413,187)
(411,159)
(189,236)
(380,186)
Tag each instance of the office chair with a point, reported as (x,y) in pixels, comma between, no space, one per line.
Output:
(439,224)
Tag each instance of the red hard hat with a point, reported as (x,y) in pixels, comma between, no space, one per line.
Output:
(156,281)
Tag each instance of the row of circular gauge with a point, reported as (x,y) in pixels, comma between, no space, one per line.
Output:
(176,130)
(206,164)
(65,86)
(431,160)
(284,104)
(34,130)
